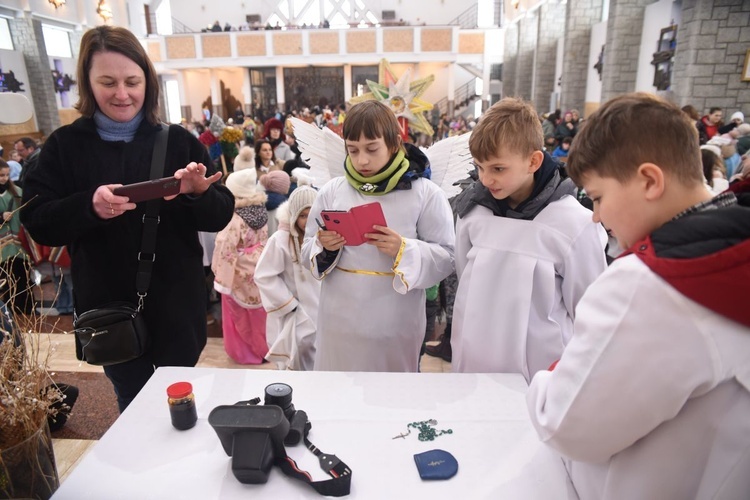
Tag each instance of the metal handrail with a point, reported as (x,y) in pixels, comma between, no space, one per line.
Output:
(467,19)
(463,96)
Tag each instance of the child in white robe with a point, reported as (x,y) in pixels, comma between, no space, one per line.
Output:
(289,293)
(651,398)
(526,249)
(372,300)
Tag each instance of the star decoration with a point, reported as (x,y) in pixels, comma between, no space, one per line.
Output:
(401,95)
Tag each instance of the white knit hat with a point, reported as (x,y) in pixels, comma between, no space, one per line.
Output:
(713,148)
(301,198)
(738,114)
(245,159)
(242,183)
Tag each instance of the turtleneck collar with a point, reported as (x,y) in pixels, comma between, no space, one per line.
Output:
(110,130)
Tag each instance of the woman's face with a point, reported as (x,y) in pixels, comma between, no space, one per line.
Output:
(4,176)
(118,84)
(266,153)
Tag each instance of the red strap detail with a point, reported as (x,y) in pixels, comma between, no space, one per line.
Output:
(553,365)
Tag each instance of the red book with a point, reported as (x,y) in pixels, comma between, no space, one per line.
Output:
(352,224)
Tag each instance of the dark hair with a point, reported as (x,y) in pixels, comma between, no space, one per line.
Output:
(633,129)
(122,41)
(27,142)
(567,140)
(713,110)
(258,145)
(710,162)
(11,185)
(373,120)
(691,112)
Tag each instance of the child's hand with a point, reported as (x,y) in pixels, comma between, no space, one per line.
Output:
(7,216)
(331,240)
(387,240)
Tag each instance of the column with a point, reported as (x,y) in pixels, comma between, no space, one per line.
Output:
(510,59)
(551,29)
(527,40)
(451,89)
(580,17)
(347,82)
(27,33)
(624,32)
(216,102)
(247,92)
(711,45)
(280,94)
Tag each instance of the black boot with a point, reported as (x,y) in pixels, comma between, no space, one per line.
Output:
(443,349)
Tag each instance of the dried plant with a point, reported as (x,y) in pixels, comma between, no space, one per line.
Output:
(28,396)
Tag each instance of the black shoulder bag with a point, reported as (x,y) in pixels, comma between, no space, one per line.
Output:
(116,332)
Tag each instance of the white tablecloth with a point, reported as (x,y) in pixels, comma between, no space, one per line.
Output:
(353,415)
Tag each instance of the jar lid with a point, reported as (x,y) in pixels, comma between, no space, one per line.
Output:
(179,390)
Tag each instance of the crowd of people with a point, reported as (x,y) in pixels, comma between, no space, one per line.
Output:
(637,369)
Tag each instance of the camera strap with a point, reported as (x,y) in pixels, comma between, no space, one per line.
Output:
(341,474)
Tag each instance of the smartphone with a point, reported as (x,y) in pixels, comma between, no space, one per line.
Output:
(354,223)
(149,190)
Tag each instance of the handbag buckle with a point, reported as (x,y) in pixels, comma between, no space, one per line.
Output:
(143,219)
(152,259)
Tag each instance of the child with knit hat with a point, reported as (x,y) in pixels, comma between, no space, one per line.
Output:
(273,130)
(276,184)
(288,291)
(238,248)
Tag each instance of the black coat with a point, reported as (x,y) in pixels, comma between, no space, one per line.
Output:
(73,163)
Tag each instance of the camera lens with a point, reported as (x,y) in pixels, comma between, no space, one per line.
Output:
(280,395)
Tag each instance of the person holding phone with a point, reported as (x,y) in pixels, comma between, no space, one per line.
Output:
(372,299)
(69,200)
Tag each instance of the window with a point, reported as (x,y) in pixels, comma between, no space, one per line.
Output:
(57,41)
(5,41)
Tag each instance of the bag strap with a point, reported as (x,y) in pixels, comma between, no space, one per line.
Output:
(146,256)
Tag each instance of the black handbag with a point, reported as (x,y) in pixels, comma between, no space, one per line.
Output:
(116,332)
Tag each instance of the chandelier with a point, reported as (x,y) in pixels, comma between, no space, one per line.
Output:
(57,3)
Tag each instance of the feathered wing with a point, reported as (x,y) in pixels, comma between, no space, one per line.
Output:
(451,162)
(322,149)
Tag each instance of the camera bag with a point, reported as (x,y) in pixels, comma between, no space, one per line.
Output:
(116,332)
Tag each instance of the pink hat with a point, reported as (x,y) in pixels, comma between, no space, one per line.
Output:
(276,181)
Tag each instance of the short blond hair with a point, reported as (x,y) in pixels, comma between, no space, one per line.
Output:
(510,125)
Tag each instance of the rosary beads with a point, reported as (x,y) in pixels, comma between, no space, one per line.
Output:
(426,430)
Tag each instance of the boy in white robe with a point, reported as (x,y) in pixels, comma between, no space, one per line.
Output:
(651,398)
(372,300)
(526,249)
(288,292)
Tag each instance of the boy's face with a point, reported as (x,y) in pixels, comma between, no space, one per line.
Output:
(368,156)
(509,175)
(619,206)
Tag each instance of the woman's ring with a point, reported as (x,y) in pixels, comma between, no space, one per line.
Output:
(113,210)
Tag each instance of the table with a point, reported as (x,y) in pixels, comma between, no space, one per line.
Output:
(354,415)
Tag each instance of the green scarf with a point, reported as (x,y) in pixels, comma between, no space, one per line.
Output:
(381,183)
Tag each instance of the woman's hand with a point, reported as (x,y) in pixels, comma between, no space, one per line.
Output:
(331,240)
(194,180)
(387,240)
(108,205)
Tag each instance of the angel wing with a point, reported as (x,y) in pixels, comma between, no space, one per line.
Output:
(322,149)
(451,162)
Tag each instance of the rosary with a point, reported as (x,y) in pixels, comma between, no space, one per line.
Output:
(426,430)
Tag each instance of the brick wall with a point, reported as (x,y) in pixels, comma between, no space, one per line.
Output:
(27,34)
(510,59)
(551,29)
(527,40)
(711,46)
(581,16)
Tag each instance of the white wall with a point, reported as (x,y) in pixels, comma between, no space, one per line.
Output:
(657,16)
(12,60)
(197,89)
(593,82)
(74,14)
(198,14)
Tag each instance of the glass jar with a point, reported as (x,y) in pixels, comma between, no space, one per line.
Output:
(182,405)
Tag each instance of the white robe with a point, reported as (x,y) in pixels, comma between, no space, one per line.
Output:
(519,283)
(290,297)
(370,322)
(651,399)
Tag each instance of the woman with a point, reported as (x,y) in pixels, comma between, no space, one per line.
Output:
(15,287)
(566,128)
(70,201)
(265,158)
